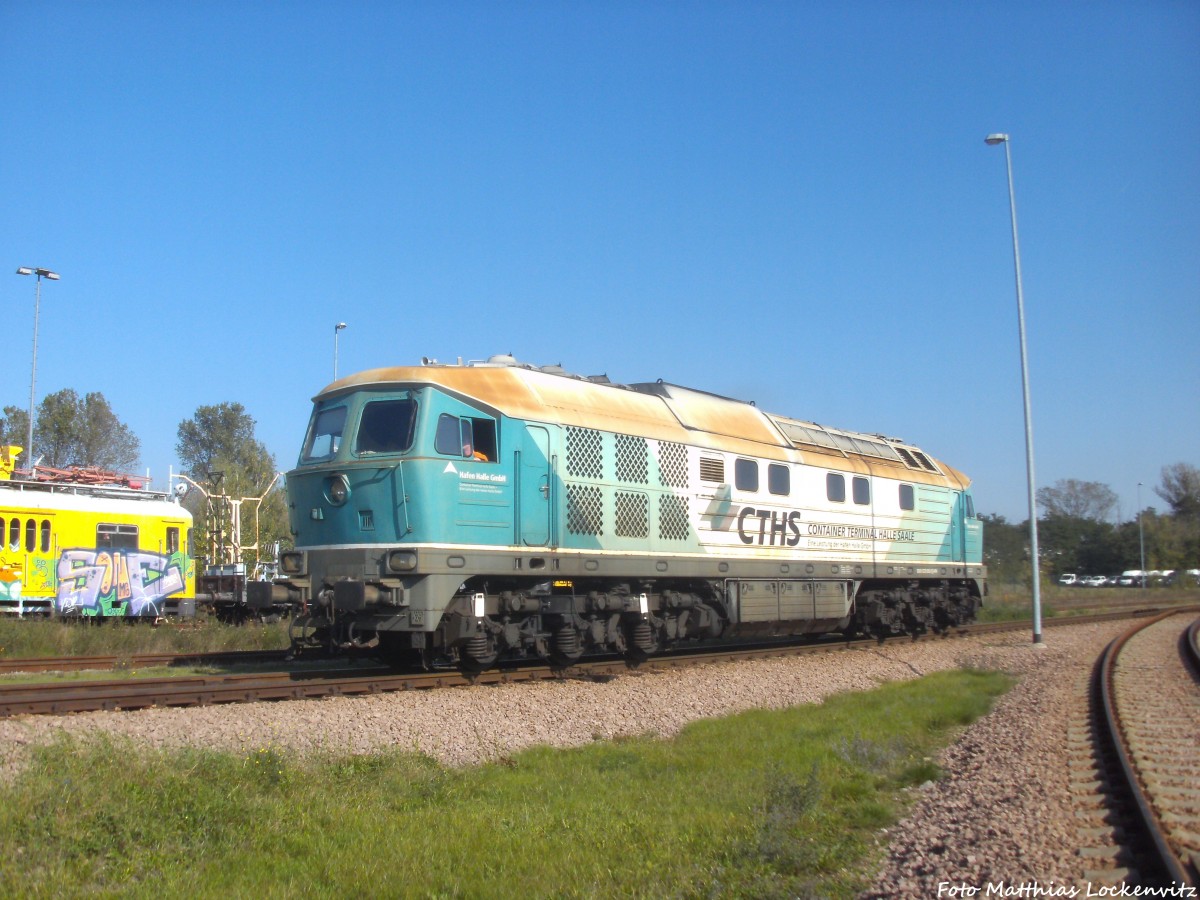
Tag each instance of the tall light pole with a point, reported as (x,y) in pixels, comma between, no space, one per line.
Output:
(336,328)
(1141,536)
(992,140)
(37,306)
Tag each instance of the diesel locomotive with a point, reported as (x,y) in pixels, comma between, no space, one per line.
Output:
(457,514)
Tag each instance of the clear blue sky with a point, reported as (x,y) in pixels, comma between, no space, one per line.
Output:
(790,203)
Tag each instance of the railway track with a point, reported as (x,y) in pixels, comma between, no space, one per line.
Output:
(61,697)
(1135,766)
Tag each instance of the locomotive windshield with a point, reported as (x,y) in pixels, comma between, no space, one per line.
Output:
(386,426)
(325,435)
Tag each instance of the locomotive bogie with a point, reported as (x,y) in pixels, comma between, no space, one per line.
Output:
(480,511)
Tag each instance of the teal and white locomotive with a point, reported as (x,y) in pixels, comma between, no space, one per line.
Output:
(464,513)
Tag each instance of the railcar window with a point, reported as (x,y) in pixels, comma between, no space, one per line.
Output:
(835,487)
(3,528)
(172,540)
(386,426)
(779,479)
(908,498)
(116,537)
(14,535)
(30,535)
(745,474)
(45,535)
(970,501)
(862,491)
(325,436)
(467,438)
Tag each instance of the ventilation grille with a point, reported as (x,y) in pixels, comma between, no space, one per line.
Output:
(585,456)
(673,518)
(672,465)
(712,470)
(632,456)
(632,515)
(585,509)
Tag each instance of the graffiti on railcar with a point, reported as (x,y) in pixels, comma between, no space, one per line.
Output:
(95,580)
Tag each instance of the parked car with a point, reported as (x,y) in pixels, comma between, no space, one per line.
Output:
(1093,581)
(1068,579)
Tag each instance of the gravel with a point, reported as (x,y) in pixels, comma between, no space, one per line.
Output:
(1001,813)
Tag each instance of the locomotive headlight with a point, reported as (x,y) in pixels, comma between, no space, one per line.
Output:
(292,563)
(401,561)
(337,489)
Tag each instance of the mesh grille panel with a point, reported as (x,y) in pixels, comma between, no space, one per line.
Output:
(673,518)
(585,510)
(632,458)
(672,465)
(585,455)
(631,515)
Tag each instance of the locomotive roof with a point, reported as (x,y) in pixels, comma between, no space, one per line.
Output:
(657,410)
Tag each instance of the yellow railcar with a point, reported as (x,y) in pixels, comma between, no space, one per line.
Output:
(94,550)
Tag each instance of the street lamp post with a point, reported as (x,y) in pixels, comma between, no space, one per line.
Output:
(992,140)
(1141,536)
(37,306)
(336,328)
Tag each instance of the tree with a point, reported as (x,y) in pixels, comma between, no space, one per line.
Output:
(1077,499)
(1181,489)
(14,427)
(74,432)
(71,431)
(219,451)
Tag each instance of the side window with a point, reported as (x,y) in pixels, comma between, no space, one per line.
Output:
(745,474)
(835,487)
(484,432)
(14,535)
(466,438)
(45,535)
(779,479)
(862,491)
(970,506)
(448,439)
(3,528)
(172,540)
(908,498)
(30,535)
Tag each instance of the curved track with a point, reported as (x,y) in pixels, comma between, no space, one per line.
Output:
(1147,693)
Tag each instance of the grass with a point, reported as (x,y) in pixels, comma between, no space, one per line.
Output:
(763,804)
(21,638)
(1015,603)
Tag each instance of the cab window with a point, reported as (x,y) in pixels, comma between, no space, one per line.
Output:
(325,435)
(464,437)
(386,426)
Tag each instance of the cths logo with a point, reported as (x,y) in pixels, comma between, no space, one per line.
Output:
(773,529)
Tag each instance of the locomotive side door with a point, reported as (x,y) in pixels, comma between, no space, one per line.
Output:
(533,488)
